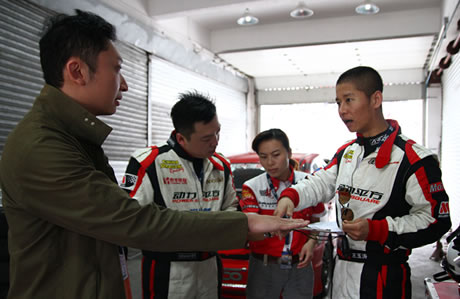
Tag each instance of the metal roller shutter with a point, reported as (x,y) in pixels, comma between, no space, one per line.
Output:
(168,80)
(21,80)
(21,77)
(450,148)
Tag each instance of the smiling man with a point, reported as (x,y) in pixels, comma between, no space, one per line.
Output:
(388,193)
(184,174)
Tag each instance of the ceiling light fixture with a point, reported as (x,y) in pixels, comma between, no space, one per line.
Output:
(247,19)
(367,8)
(301,11)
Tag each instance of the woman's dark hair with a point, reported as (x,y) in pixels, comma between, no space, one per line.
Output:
(364,78)
(83,35)
(270,134)
(274,134)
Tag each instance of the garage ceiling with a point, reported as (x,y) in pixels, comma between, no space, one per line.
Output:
(401,36)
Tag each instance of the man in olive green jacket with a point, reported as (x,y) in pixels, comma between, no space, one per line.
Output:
(65,211)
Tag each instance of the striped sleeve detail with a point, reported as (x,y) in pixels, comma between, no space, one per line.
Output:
(378,230)
(248,201)
(424,184)
(223,160)
(144,165)
(411,154)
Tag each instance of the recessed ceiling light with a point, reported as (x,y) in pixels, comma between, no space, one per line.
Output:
(367,8)
(247,19)
(301,11)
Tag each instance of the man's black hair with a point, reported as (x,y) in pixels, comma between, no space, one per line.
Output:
(82,35)
(191,108)
(364,78)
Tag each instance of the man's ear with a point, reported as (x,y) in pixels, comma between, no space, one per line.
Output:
(76,71)
(180,139)
(377,99)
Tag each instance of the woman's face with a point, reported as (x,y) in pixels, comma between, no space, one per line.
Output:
(274,157)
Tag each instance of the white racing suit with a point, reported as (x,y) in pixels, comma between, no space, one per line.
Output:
(396,185)
(166,175)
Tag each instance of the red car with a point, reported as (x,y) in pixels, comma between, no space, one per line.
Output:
(235,262)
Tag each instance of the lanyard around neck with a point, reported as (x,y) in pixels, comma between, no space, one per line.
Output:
(288,238)
(272,187)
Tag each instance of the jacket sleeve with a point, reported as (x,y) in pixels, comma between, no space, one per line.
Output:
(315,188)
(230,202)
(136,181)
(59,184)
(428,218)
(248,201)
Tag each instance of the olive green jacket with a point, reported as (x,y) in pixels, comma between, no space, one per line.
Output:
(67,215)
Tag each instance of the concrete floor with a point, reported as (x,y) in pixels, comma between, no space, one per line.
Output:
(421,264)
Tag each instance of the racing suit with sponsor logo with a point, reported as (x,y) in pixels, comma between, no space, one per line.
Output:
(169,176)
(396,185)
(266,277)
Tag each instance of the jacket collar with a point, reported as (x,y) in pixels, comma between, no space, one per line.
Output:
(74,117)
(172,141)
(385,140)
(276,182)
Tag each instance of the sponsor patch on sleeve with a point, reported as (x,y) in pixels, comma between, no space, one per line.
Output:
(444,209)
(128,182)
(436,187)
(245,194)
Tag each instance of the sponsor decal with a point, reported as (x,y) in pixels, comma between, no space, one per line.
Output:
(184,195)
(380,139)
(172,165)
(174,181)
(188,197)
(267,205)
(372,162)
(436,187)
(211,195)
(214,180)
(362,194)
(246,194)
(444,209)
(267,192)
(129,181)
(348,156)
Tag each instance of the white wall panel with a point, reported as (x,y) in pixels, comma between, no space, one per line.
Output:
(450,148)
(168,80)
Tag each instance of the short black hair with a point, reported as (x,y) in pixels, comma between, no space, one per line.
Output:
(365,79)
(83,35)
(270,134)
(191,108)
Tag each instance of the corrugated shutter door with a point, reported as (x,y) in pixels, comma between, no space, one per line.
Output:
(168,80)
(129,123)
(450,148)
(21,78)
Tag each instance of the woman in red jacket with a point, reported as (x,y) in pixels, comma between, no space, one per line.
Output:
(278,267)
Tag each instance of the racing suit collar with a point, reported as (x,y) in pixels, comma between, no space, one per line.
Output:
(383,140)
(196,162)
(172,141)
(276,182)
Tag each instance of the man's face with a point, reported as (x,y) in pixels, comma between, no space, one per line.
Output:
(355,109)
(203,141)
(105,87)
